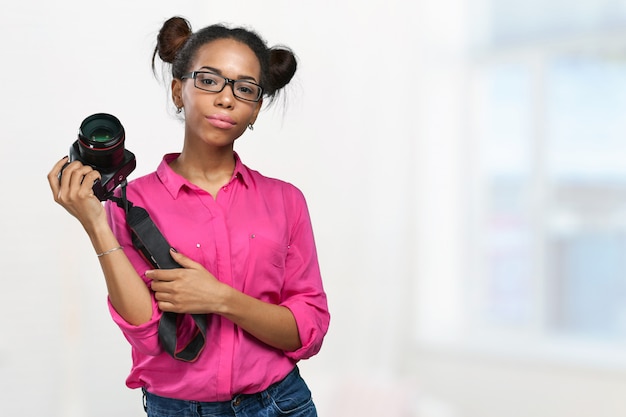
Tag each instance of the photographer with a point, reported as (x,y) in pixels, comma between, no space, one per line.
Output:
(244,242)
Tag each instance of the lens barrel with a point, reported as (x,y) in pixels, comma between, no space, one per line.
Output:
(101,141)
(100,144)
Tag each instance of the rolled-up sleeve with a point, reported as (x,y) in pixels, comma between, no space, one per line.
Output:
(144,337)
(303,293)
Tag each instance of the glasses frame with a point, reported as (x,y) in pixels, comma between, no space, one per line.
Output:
(194,74)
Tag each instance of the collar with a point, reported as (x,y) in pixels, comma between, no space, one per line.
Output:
(174,182)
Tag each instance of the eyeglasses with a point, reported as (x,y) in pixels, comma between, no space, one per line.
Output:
(209,81)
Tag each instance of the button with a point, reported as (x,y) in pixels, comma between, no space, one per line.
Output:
(237,401)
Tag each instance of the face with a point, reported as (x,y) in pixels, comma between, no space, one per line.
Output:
(218,119)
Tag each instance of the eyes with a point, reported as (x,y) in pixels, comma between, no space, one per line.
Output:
(245,89)
(209,81)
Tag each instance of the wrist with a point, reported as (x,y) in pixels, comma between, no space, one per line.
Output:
(106,252)
(102,237)
(96,227)
(225,297)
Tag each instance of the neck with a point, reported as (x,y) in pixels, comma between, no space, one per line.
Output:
(209,169)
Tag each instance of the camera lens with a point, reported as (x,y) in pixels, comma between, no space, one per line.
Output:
(101,139)
(101,135)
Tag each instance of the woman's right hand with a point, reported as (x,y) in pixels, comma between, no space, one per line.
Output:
(73,191)
(128,294)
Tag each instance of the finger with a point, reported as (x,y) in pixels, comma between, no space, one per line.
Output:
(69,172)
(167,306)
(78,176)
(157,285)
(53,175)
(88,181)
(160,276)
(76,182)
(164,301)
(56,169)
(184,261)
(162,296)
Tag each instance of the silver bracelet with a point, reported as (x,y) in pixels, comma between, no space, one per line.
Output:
(109,251)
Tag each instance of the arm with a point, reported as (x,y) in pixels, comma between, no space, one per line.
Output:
(295,323)
(127,292)
(193,289)
(272,324)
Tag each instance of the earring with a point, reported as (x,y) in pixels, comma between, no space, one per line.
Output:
(251,126)
(179,110)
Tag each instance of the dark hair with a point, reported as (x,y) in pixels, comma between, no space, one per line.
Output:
(177,45)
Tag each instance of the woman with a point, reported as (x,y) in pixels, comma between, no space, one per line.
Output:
(244,241)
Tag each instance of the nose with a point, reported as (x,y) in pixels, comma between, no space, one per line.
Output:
(226,97)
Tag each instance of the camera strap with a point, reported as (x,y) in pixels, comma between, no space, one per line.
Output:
(149,240)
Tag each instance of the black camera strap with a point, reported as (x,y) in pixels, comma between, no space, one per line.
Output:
(149,240)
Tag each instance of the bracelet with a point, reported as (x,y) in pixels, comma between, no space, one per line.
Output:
(109,251)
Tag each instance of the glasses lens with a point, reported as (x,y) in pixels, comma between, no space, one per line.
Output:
(247,90)
(209,82)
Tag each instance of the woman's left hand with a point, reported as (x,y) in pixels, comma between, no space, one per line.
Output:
(193,289)
(190,289)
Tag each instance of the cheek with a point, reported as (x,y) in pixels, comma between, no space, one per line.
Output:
(240,130)
(255,112)
(187,98)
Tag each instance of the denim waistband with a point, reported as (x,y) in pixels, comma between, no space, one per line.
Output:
(238,401)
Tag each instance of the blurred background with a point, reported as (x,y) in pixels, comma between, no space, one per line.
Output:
(464,164)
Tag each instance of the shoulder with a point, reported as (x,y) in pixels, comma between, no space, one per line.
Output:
(271,184)
(140,189)
(143,180)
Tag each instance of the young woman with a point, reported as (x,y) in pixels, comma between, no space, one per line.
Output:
(244,241)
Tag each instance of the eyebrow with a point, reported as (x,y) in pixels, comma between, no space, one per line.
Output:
(219,72)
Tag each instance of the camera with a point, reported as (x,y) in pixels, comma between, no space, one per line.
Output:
(100,144)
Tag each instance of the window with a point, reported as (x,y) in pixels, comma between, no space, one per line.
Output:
(547,240)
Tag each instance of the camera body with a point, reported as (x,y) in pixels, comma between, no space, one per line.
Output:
(100,144)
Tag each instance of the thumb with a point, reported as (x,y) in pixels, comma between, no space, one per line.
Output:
(184,261)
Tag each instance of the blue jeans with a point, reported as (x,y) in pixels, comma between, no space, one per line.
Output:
(289,397)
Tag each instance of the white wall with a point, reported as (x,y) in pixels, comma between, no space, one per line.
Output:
(378,167)
(342,138)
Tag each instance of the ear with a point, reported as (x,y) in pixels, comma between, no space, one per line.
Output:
(177,92)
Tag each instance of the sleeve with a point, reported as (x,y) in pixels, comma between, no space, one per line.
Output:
(145,337)
(303,293)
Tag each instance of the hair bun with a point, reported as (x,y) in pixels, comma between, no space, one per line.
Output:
(283,65)
(171,38)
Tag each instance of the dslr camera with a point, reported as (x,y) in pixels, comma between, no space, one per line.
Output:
(100,144)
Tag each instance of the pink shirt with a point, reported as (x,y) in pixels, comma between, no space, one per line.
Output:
(256,237)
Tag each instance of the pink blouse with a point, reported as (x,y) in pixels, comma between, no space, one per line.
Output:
(256,236)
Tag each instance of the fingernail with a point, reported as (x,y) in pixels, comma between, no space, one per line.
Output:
(174,250)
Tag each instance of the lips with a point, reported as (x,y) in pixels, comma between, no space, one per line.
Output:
(221,121)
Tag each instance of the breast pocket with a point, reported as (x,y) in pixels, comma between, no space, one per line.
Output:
(266,271)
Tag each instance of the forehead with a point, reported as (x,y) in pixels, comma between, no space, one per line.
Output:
(232,58)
